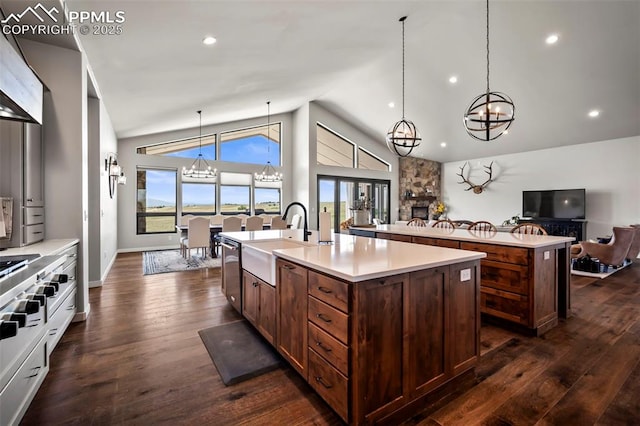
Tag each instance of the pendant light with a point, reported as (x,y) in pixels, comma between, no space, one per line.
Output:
(268,173)
(199,169)
(403,136)
(491,113)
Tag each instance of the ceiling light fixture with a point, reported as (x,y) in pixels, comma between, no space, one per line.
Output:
(443,144)
(268,173)
(594,113)
(491,113)
(552,39)
(199,169)
(403,136)
(209,40)
(392,105)
(453,79)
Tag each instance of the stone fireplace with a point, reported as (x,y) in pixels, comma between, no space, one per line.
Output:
(419,186)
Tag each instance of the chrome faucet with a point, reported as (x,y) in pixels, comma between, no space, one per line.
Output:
(306,226)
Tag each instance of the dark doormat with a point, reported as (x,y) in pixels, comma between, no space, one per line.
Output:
(238,351)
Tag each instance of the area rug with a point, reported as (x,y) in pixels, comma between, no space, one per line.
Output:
(239,352)
(163,261)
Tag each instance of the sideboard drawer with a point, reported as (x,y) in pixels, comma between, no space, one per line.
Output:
(329,319)
(329,290)
(33,215)
(507,254)
(505,276)
(329,348)
(440,242)
(329,383)
(33,233)
(502,304)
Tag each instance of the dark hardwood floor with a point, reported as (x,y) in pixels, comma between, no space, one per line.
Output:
(138,359)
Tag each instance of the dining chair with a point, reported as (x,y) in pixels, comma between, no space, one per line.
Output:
(197,236)
(229,224)
(184,221)
(278,223)
(376,221)
(416,221)
(444,224)
(254,223)
(216,220)
(528,228)
(295,221)
(243,217)
(482,226)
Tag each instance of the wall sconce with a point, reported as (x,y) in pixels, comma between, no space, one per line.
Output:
(115,174)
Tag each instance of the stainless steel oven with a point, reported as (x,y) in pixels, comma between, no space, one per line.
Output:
(232,272)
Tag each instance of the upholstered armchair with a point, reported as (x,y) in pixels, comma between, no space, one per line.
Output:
(615,252)
(634,250)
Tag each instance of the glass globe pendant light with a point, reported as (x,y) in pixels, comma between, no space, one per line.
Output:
(199,169)
(403,136)
(491,113)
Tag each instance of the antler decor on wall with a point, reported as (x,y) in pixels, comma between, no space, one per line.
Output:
(477,189)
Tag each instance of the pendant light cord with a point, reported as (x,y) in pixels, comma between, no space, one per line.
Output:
(268,131)
(488,47)
(402,20)
(200,140)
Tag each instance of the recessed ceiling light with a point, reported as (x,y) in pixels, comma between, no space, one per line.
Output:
(594,113)
(506,132)
(209,40)
(443,144)
(552,39)
(392,105)
(453,79)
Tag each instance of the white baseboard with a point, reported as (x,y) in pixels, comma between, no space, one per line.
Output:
(137,249)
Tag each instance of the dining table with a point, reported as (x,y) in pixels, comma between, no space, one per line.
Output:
(214,230)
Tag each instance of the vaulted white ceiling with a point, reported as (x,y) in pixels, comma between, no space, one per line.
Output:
(347,56)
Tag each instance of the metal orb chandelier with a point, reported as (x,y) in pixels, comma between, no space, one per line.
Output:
(268,173)
(403,136)
(490,114)
(199,169)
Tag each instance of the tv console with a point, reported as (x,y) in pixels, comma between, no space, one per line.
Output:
(576,228)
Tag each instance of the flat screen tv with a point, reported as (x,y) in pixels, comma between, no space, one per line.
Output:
(554,204)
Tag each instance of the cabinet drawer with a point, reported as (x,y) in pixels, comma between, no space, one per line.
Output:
(505,276)
(507,254)
(33,215)
(329,348)
(16,397)
(14,349)
(329,290)
(33,233)
(72,257)
(440,242)
(502,304)
(329,383)
(60,320)
(394,237)
(329,319)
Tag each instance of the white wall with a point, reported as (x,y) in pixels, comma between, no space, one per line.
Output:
(63,71)
(129,160)
(608,170)
(317,114)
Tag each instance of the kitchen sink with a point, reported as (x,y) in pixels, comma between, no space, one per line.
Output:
(258,259)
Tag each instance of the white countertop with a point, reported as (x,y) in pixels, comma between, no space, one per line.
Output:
(267,235)
(499,238)
(360,258)
(44,248)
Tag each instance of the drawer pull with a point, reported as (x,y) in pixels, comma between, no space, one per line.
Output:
(323,347)
(34,374)
(255,283)
(53,332)
(325,290)
(71,308)
(37,232)
(322,382)
(323,317)
(289,267)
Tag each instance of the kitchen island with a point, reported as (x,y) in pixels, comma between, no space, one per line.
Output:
(525,278)
(374,326)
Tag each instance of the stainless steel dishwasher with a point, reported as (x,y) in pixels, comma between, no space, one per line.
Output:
(232,272)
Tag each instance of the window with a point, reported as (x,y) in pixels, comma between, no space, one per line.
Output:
(199,198)
(345,197)
(156,201)
(332,149)
(184,148)
(255,145)
(371,162)
(266,200)
(235,193)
